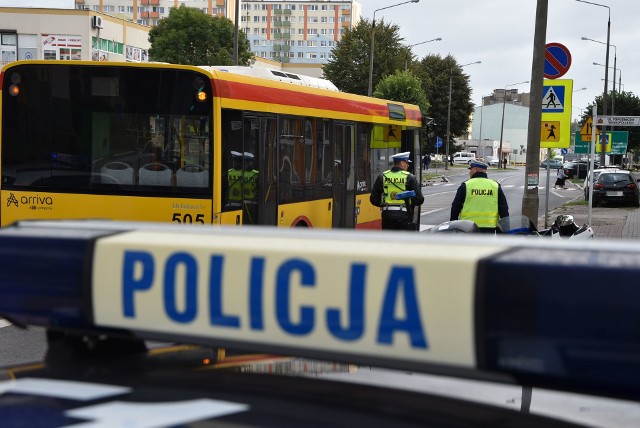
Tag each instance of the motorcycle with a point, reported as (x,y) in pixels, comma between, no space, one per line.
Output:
(564,227)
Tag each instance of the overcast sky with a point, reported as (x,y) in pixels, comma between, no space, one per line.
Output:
(500,34)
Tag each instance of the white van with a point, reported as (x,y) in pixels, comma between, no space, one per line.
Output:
(463,158)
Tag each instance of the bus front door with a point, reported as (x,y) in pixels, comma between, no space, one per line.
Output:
(260,201)
(343,176)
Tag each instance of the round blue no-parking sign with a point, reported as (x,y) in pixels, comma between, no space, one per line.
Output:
(557,60)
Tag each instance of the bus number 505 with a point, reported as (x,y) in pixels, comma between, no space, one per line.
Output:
(187,218)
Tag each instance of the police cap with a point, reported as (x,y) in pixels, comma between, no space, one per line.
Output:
(477,164)
(404,156)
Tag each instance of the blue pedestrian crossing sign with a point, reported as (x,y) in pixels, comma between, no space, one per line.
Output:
(553,99)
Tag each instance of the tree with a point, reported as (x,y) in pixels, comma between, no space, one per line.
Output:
(405,87)
(189,36)
(434,72)
(348,68)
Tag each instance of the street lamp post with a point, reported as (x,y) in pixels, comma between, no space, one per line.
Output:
(620,84)
(606,74)
(615,59)
(373,35)
(446,164)
(504,102)
(406,61)
(613,96)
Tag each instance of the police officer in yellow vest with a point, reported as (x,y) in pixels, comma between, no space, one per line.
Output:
(250,214)
(235,181)
(480,199)
(242,186)
(397,193)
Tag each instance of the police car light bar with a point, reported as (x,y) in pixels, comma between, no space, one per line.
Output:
(544,314)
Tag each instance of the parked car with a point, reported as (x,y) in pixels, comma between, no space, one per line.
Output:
(616,186)
(596,173)
(492,161)
(463,158)
(553,163)
(578,169)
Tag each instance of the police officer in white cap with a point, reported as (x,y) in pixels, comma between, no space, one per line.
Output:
(397,192)
(480,199)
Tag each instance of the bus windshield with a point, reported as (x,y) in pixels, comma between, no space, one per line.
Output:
(105,128)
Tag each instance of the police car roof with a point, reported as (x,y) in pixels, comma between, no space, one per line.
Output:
(241,287)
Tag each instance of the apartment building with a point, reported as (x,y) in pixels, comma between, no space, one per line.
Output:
(68,34)
(284,31)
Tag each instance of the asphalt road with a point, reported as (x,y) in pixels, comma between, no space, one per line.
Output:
(439,194)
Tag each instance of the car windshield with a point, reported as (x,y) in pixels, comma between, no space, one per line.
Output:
(614,178)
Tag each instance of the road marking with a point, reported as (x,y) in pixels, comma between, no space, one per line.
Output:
(4,323)
(435,210)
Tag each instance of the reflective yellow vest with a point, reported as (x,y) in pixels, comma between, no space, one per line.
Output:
(250,185)
(240,180)
(394,183)
(234,176)
(481,202)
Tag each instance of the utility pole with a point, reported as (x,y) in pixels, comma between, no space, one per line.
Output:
(530,201)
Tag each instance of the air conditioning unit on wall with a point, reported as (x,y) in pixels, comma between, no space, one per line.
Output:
(96,21)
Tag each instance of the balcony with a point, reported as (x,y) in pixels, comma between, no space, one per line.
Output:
(220,3)
(79,1)
(286,48)
(277,23)
(149,2)
(287,12)
(277,11)
(144,14)
(346,11)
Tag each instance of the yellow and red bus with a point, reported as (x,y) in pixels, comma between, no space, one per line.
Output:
(162,142)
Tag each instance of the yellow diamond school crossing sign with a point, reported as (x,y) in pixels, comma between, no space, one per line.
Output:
(555,129)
